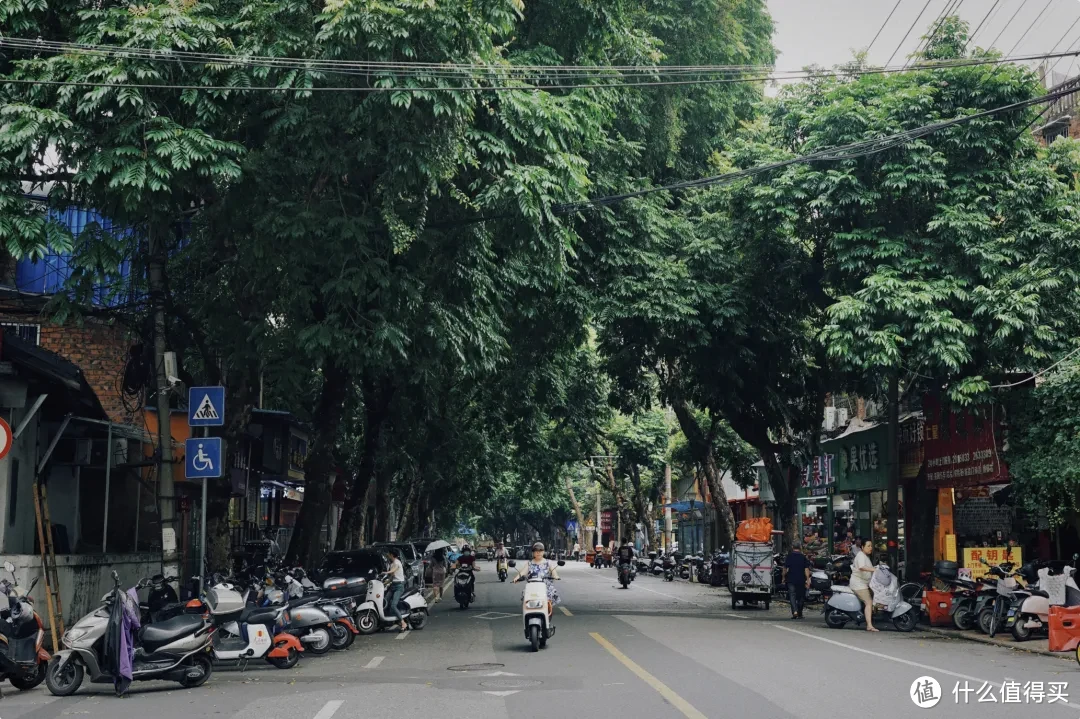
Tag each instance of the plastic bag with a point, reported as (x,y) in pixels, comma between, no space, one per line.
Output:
(885,588)
(1054,584)
(758,529)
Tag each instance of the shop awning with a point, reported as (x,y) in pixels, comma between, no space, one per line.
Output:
(685,506)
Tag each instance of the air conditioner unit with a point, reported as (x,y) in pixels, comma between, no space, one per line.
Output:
(120,452)
(83,448)
(830,419)
(841,417)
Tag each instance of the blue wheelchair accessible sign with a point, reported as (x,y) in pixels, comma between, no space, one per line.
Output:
(203,457)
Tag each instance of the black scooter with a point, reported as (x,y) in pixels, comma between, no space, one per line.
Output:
(463,587)
(23,657)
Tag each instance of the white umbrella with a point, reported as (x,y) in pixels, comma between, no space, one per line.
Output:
(437,544)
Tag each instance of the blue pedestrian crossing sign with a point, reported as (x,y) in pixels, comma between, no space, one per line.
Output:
(206,406)
(203,459)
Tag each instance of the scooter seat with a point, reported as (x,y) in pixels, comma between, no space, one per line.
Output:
(411,592)
(1039,593)
(301,601)
(155,636)
(258,615)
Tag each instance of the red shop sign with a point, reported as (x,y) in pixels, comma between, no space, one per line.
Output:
(962,446)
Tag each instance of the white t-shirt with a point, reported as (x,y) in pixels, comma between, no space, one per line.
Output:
(860,579)
(397,572)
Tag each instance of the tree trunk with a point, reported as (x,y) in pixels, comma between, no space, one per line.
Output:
(785,489)
(407,522)
(304,548)
(354,513)
(577,508)
(701,449)
(639,505)
(382,506)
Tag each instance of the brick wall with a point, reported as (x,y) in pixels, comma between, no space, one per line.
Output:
(99,349)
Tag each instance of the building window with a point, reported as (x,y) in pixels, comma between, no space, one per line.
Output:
(1052,133)
(27,333)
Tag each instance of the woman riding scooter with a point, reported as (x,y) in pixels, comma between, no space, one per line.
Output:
(540,567)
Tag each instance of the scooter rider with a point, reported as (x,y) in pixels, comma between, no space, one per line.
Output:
(543,568)
(626,553)
(500,552)
(468,559)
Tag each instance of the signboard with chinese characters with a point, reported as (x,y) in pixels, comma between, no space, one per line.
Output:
(962,446)
(862,457)
(911,447)
(819,473)
(993,555)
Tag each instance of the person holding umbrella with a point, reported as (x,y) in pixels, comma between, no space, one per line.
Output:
(438,566)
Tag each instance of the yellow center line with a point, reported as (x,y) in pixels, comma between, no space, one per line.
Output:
(565,611)
(670,696)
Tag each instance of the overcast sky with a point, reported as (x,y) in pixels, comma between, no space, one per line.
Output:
(825,32)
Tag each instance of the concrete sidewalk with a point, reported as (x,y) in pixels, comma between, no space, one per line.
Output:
(1032,646)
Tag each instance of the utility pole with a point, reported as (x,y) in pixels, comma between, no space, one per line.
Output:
(599,526)
(667,507)
(893,541)
(166,488)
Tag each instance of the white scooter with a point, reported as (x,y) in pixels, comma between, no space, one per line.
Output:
(1033,613)
(537,611)
(371,615)
(843,607)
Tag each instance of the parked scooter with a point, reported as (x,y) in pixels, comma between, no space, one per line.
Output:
(670,564)
(537,612)
(249,632)
(843,606)
(178,649)
(23,657)
(464,593)
(305,621)
(993,609)
(1030,615)
(685,567)
(718,575)
(373,613)
(339,608)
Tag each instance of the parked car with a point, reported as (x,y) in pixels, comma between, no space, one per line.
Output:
(349,563)
(411,560)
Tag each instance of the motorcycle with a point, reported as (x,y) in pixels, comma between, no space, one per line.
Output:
(372,614)
(718,574)
(303,620)
(685,570)
(843,606)
(178,649)
(500,568)
(1030,614)
(537,612)
(23,657)
(626,574)
(669,568)
(463,587)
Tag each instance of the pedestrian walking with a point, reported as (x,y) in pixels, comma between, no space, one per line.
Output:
(438,573)
(796,575)
(397,585)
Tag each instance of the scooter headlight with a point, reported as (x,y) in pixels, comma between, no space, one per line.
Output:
(534,604)
(73,635)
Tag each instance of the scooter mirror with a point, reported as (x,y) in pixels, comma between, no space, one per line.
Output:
(562,563)
(511,563)
(10,567)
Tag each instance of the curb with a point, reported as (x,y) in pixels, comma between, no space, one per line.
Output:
(980,639)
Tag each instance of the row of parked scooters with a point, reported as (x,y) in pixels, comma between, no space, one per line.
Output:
(274,615)
(672,565)
(1009,599)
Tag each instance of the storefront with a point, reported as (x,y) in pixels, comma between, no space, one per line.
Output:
(844,496)
(963,465)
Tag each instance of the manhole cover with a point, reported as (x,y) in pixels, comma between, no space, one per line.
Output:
(474,667)
(511,683)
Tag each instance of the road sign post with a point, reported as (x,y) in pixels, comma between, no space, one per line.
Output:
(206,408)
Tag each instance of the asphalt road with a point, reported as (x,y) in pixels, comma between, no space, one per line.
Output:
(656,649)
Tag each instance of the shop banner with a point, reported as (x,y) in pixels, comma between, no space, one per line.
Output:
(961,446)
(818,477)
(993,555)
(911,447)
(605,521)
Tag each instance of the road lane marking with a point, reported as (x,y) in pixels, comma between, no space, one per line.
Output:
(662,689)
(402,635)
(504,693)
(565,611)
(329,709)
(917,665)
(374,663)
(737,616)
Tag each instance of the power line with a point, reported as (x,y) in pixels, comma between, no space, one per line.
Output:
(904,39)
(726,78)
(951,6)
(1041,16)
(993,10)
(1038,374)
(878,33)
(1008,24)
(841,152)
